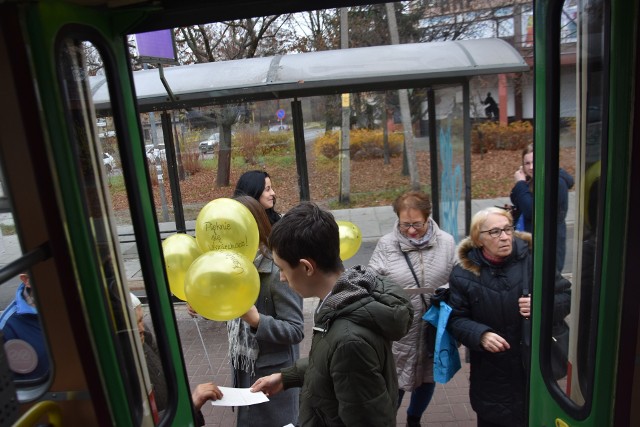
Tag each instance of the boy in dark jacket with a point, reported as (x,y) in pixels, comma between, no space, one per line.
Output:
(349,377)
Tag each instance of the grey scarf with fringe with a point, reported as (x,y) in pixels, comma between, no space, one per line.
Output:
(243,345)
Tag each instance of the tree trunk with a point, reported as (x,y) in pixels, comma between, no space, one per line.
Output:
(345,160)
(403,95)
(224,157)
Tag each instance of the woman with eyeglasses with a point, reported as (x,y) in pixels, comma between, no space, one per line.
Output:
(490,297)
(418,256)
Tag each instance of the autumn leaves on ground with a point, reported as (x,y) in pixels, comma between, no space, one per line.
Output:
(372,183)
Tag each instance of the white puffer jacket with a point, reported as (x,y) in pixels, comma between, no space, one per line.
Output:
(432,265)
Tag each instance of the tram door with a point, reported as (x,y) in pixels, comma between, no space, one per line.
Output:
(55,187)
(575,365)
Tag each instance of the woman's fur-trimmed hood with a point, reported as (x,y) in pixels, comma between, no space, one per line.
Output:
(469,253)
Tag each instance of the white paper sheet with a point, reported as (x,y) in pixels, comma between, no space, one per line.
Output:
(239,397)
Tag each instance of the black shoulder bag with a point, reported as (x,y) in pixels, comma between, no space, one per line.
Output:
(430,331)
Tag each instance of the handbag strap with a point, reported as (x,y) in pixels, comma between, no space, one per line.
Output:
(415,277)
(525,284)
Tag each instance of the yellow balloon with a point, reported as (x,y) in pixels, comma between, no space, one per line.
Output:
(179,250)
(222,285)
(350,239)
(226,224)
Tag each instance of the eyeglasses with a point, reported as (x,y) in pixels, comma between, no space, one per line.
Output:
(416,225)
(496,232)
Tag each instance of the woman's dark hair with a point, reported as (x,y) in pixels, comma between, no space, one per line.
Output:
(252,184)
(258,212)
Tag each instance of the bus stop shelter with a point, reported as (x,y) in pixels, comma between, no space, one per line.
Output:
(368,69)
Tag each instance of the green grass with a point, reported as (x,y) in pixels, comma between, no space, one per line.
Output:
(287,160)
(116,183)
(209,163)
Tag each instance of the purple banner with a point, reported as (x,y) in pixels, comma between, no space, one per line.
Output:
(156,46)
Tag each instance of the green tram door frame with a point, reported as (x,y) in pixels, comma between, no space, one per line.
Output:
(93,239)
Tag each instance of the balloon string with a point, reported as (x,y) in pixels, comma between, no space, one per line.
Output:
(195,319)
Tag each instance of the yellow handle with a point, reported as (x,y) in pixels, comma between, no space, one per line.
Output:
(37,411)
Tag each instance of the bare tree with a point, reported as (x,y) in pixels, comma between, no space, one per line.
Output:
(317,30)
(240,39)
(197,44)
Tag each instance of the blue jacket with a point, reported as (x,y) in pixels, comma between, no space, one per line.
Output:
(20,321)
(522,198)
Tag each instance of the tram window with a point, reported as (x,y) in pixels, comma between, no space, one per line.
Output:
(24,342)
(582,135)
(95,135)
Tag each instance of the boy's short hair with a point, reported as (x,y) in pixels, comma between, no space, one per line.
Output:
(309,232)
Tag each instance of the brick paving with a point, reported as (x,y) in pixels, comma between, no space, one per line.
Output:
(449,407)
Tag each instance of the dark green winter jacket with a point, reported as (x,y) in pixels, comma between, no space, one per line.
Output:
(349,378)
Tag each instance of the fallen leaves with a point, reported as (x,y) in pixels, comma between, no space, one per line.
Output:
(491,176)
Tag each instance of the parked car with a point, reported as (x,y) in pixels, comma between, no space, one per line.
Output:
(109,162)
(209,145)
(148,150)
(278,128)
(154,153)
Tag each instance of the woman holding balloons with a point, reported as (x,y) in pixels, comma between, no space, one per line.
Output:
(266,337)
(417,256)
(257,184)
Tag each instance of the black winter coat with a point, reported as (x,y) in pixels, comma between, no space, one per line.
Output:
(484,298)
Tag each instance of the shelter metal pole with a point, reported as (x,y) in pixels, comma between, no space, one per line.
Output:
(301,150)
(154,139)
(466,106)
(174,180)
(433,156)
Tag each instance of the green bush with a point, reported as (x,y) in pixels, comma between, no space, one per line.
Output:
(363,144)
(274,142)
(251,143)
(491,135)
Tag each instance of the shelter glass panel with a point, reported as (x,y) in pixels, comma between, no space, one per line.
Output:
(450,162)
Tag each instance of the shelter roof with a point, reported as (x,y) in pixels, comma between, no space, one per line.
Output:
(315,73)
